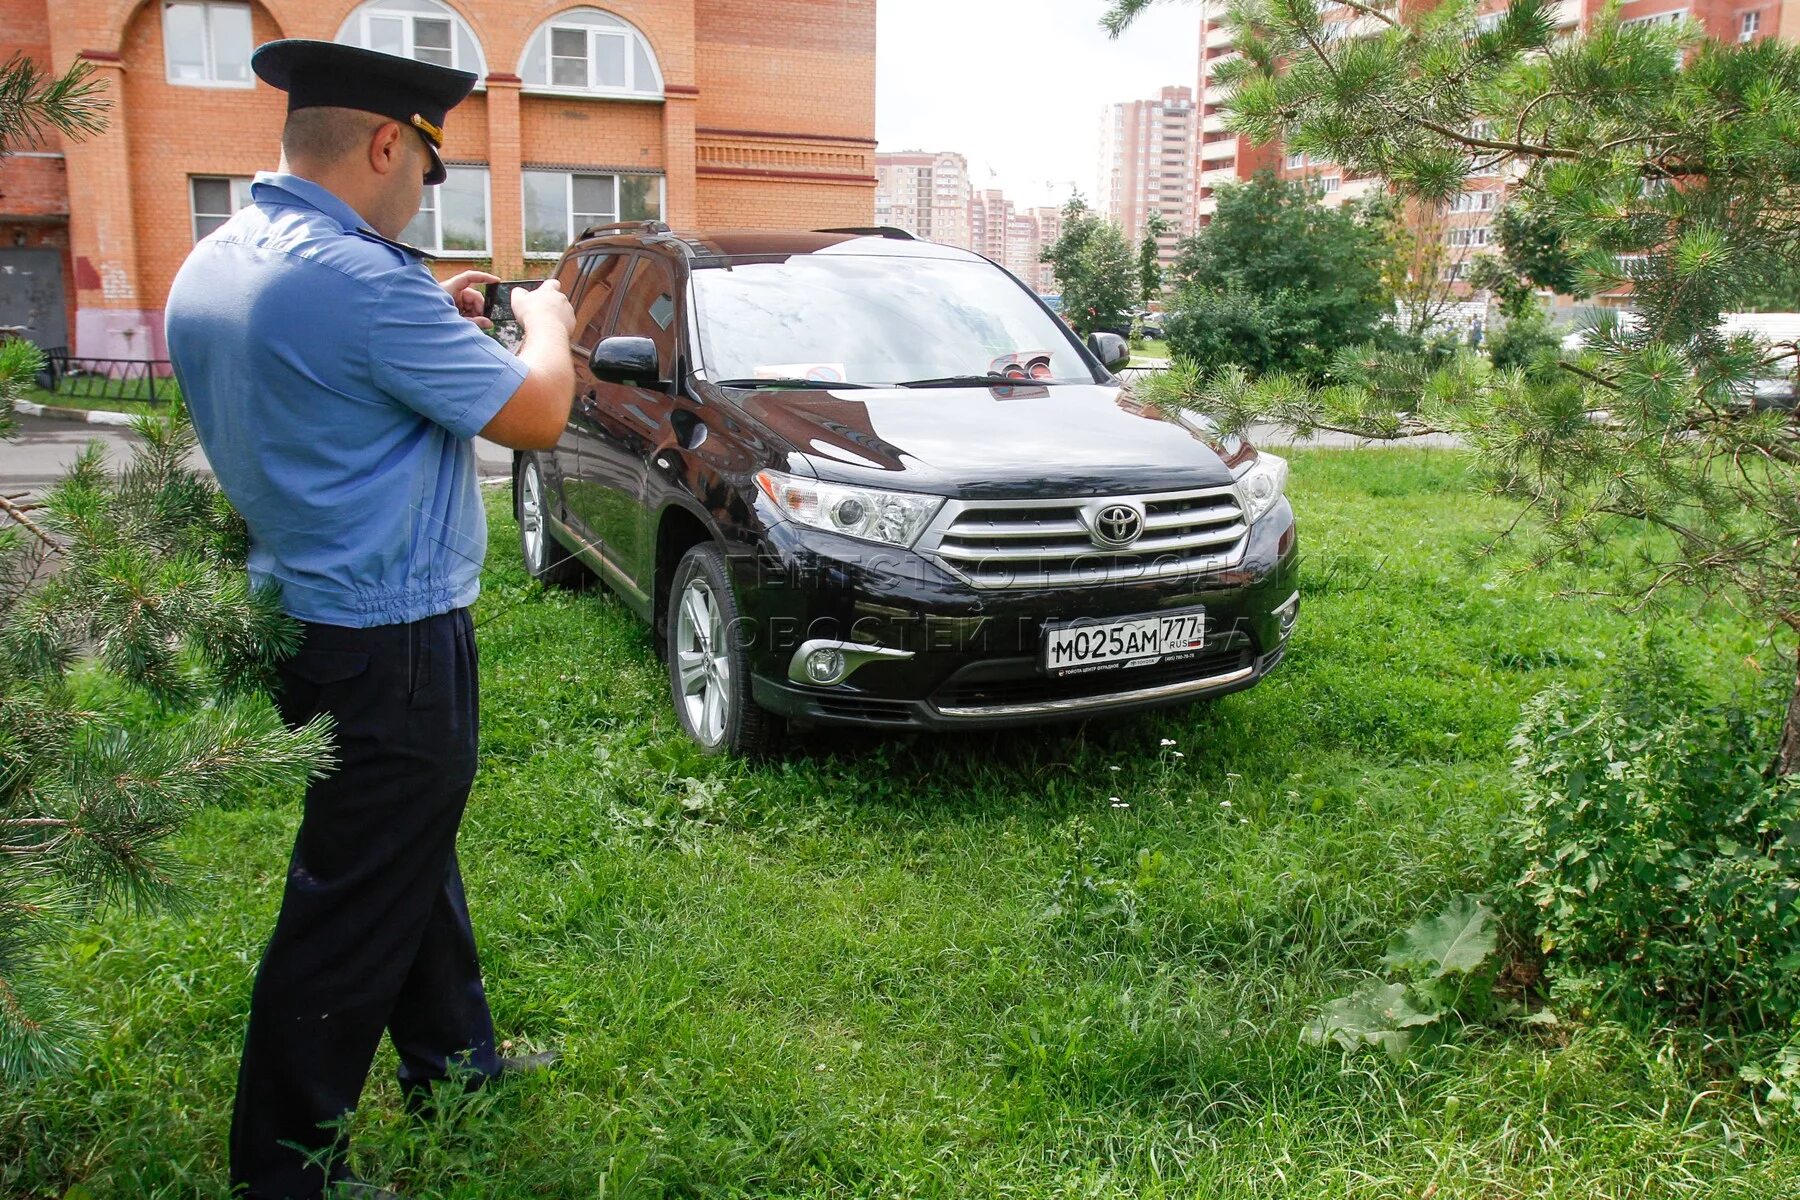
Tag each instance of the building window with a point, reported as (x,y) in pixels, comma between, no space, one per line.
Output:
(1326,184)
(1474,202)
(560,204)
(213,198)
(420,29)
(586,50)
(1665,18)
(1478,236)
(1489,22)
(1749,25)
(1296,161)
(207,45)
(453,216)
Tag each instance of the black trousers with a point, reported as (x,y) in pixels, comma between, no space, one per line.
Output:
(374,932)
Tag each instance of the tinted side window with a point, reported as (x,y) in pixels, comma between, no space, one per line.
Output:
(648,310)
(568,272)
(595,301)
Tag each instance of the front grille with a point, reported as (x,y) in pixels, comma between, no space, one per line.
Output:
(1036,688)
(1048,543)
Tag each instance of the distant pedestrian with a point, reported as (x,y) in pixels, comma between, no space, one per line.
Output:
(336,385)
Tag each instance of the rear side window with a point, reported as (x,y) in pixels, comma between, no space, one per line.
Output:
(595,300)
(648,310)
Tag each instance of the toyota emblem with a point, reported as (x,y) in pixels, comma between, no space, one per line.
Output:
(1117,526)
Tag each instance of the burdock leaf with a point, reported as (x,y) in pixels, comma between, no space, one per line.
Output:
(1458,940)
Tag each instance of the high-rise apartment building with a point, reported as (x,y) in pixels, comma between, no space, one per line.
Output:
(926,194)
(1464,227)
(1014,237)
(1147,150)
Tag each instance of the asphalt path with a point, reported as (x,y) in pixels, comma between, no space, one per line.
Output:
(47,446)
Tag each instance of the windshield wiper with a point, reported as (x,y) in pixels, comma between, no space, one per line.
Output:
(820,385)
(947,381)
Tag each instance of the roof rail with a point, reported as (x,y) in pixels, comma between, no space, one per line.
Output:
(623,226)
(886,231)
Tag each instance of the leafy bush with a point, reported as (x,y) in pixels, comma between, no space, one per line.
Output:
(1442,975)
(1278,282)
(1654,855)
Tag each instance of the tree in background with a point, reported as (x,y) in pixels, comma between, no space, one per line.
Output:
(131,653)
(1095,270)
(1665,163)
(1277,282)
(1150,270)
(1422,268)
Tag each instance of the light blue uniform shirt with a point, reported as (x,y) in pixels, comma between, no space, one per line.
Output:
(335,388)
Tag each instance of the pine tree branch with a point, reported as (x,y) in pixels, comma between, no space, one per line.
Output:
(17,513)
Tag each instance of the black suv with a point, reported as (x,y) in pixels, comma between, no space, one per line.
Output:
(854,478)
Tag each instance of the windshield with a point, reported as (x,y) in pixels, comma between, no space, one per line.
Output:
(876,320)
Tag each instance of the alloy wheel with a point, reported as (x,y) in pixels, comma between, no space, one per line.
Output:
(531,517)
(703,661)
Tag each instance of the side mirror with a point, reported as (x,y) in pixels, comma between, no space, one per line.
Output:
(627,360)
(1112,350)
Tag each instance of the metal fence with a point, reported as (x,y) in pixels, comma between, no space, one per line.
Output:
(146,380)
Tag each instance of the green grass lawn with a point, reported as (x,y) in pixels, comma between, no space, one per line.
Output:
(1150,348)
(139,404)
(864,971)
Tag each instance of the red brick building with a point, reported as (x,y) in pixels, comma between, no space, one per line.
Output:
(712,113)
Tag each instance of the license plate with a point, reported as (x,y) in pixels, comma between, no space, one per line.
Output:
(1077,647)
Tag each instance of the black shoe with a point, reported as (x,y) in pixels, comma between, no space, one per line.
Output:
(528,1064)
(356,1189)
(418,1096)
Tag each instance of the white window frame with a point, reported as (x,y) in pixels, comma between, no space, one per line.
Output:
(1749,25)
(573,231)
(206,8)
(1662,18)
(634,89)
(356,29)
(1480,201)
(436,246)
(238,200)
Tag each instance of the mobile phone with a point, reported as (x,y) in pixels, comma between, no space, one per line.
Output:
(497,304)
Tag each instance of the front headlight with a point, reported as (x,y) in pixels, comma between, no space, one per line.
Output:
(1261,484)
(896,518)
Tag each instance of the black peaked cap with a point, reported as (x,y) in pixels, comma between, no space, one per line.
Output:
(327,75)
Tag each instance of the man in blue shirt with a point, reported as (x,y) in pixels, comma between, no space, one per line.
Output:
(336,385)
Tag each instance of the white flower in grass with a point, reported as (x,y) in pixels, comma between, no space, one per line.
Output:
(1224,804)
(1118,803)
(1168,741)
(1113,767)
(1177,754)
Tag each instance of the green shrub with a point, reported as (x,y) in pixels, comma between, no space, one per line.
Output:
(1653,857)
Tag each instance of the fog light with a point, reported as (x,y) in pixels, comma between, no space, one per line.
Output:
(825,665)
(1288,614)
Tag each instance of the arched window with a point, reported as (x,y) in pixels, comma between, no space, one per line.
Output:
(422,29)
(590,52)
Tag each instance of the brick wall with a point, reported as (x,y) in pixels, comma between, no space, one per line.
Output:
(769,121)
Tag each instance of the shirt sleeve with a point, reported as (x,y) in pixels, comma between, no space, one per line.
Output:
(429,357)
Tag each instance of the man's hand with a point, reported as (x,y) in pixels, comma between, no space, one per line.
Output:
(535,416)
(469,298)
(544,309)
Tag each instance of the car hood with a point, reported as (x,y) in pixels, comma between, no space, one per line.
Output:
(993,442)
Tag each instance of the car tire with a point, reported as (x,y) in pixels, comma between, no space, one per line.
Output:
(709,666)
(546,560)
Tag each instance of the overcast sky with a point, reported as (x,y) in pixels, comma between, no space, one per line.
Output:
(1018,85)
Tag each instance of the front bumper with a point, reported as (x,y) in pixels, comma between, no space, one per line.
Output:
(962,657)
